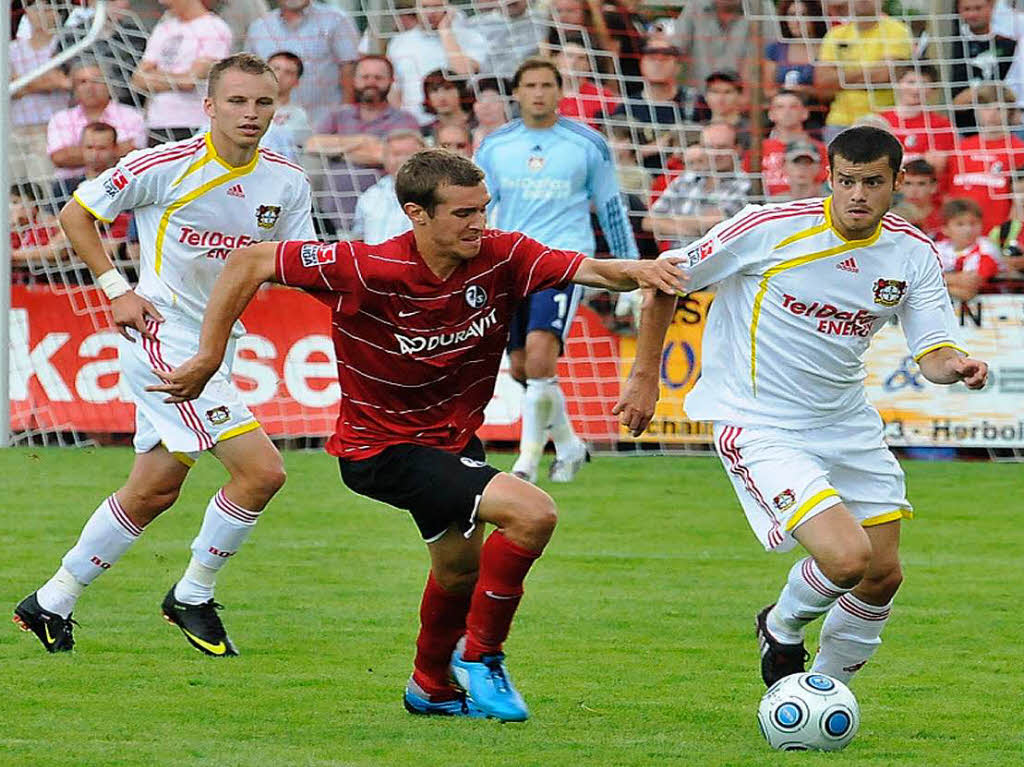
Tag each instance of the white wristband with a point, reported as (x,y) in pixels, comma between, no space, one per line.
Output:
(113,284)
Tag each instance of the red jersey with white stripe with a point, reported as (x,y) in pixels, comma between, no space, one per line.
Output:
(923,133)
(418,356)
(797,305)
(982,257)
(983,169)
(192,208)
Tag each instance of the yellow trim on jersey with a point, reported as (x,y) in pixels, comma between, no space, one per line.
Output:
(91,212)
(238,430)
(792,264)
(804,234)
(208,156)
(933,347)
(809,504)
(196,193)
(890,516)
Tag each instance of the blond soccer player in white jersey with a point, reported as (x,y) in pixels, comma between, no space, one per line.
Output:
(193,202)
(801,289)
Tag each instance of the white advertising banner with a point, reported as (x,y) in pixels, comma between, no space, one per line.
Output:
(918,413)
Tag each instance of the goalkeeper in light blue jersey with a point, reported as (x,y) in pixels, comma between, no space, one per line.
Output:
(545,173)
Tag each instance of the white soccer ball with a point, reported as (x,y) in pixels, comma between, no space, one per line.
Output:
(808,712)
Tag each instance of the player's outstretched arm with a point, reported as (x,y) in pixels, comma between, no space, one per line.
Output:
(661,274)
(127,309)
(635,407)
(947,366)
(244,271)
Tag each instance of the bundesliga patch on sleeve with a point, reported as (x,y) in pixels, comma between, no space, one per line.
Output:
(698,253)
(113,185)
(315,254)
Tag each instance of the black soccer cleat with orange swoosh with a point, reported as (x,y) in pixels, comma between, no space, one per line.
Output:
(200,624)
(54,631)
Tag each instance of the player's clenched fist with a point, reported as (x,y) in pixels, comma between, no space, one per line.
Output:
(635,407)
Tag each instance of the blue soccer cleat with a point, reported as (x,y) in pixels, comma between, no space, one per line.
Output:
(417,702)
(489,687)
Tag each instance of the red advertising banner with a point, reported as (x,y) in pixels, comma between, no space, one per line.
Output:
(65,373)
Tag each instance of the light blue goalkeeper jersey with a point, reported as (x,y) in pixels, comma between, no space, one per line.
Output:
(542,183)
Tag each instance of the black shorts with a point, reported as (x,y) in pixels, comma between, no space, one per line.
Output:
(435,486)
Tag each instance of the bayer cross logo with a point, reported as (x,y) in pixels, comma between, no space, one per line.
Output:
(476,296)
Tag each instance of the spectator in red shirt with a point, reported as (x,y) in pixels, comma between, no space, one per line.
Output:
(969,259)
(35,236)
(919,206)
(582,98)
(986,167)
(925,135)
(788,112)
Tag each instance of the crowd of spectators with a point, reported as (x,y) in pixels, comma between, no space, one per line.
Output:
(707,108)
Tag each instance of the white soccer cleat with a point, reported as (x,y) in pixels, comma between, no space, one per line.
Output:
(565,470)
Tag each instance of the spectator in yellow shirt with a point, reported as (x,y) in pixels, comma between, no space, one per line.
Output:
(856,64)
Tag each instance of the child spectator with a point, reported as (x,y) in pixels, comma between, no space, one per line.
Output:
(968,259)
(985,167)
(925,135)
(919,206)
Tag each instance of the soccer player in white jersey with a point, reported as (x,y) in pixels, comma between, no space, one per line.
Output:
(802,288)
(193,201)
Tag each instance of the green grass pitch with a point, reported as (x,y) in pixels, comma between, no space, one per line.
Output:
(634,644)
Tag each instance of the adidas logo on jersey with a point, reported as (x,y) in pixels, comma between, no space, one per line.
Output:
(236,191)
(849,265)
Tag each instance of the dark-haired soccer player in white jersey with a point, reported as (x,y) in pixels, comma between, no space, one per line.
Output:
(194,201)
(802,288)
(419,325)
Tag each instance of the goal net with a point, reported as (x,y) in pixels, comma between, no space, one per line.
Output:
(706,106)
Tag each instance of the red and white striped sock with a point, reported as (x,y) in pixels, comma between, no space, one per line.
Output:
(106,536)
(806,595)
(849,636)
(225,528)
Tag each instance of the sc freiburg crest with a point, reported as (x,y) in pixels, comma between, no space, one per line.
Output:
(476,296)
(267,215)
(889,292)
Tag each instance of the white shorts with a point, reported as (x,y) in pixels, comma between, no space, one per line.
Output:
(188,428)
(784,477)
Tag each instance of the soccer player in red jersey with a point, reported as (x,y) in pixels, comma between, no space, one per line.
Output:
(419,326)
